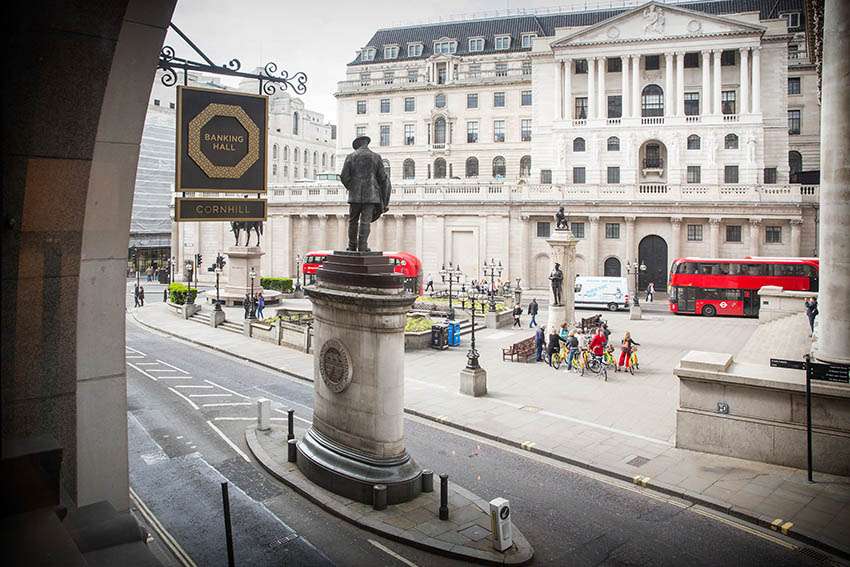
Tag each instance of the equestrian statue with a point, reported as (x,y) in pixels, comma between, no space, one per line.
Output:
(238,226)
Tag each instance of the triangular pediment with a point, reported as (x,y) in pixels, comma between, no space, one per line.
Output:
(656,21)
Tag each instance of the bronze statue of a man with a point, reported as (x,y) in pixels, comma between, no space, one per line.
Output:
(368,186)
(561,219)
(557,278)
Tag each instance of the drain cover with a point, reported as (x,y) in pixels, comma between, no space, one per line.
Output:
(638,461)
(474,532)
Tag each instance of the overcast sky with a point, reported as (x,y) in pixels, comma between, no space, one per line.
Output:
(318,36)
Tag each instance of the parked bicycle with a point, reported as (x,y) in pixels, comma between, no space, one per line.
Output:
(633,361)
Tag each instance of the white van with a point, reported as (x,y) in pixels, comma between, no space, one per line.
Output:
(596,292)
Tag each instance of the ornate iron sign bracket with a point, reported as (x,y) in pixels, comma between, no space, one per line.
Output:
(269,82)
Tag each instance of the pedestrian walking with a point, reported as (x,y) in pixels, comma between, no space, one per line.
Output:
(261,302)
(141,296)
(136,296)
(650,292)
(540,341)
(532,310)
(246,303)
(517,313)
(811,312)
(430,281)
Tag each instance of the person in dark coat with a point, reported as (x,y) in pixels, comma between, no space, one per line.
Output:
(540,341)
(246,303)
(554,344)
(136,296)
(517,313)
(368,186)
(142,296)
(533,308)
(811,312)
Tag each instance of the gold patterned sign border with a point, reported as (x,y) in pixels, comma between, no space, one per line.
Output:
(221,171)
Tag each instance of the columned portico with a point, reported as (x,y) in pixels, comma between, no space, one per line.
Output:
(602,106)
(757,80)
(624,86)
(715,94)
(680,83)
(755,236)
(744,107)
(635,85)
(668,85)
(591,88)
(714,237)
(705,106)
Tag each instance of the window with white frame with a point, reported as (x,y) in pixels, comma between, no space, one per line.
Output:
(385,135)
(578,175)
(412,76)
(691,104)
(499,99)
(440,100)
(794,85)
(389,76)
(526,130)
(503,42)
(365,78)
(694,174)
(414,50)
(476,44)
(498,130)
(526,67)
(612,230)
(501,69)
(794,121)
(361,107)
(409,104)
(472,100)
(360,131)
(694,142)
(390,52)
(613,144)
(733,233)
(472,132)
(727,99)
(773,234)
(445,46)
(694,232)
(367,55)
(577,228)
(528,39)
(730,174)
(526,98)
(613,174)
(769,175)
(409,134)
(499,168)
(385,105)
(792,19)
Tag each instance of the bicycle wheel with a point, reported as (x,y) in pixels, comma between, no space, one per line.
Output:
(581,366)
(556,361)
(604,372)
(631,367)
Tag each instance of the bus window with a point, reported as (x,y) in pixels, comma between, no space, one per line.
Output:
(710,294)
(691,268)
(705,269)
(731,294)
(754,270)
(734,269)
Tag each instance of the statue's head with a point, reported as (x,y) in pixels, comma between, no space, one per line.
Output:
(360,141)
(557,265)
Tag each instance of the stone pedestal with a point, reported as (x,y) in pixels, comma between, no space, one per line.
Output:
(473,382)
(357,437)
(635,313)
(216,318)
(240,260)
(563,245)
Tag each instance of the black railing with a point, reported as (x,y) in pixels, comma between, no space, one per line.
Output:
(653,163)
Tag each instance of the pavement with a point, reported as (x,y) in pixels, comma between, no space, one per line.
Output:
(624,428)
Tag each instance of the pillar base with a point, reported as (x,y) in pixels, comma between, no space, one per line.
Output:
(635,313)
(216,318)
(473,382)
(352,474)
(557,317)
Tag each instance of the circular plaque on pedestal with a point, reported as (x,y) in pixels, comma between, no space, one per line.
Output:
(335,365)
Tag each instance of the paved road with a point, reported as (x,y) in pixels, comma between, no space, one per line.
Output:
(184,402)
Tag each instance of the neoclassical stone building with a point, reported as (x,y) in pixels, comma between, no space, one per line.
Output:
(664,130)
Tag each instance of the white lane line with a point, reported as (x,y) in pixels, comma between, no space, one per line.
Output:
(146,363)
(229,442)
(142,372)
(210,395)
(174,377)
(234,419)
(129,357)
(227,389)
(192,386)
(288,401)
(228,404)
(126,348)
(172,366)
(293,415)
(164,370)
(392,553)
(191,403)
(431,384)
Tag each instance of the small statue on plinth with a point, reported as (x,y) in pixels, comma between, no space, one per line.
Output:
(557,279)
(561,219)
(238,226)
(368,185)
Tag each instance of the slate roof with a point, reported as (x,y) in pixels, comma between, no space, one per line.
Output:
(515,26)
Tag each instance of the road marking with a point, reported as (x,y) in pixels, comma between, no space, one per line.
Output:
(227,389)
(145,363)
(392,553)
(174,377)
(432,385)
(163,370)
(527,445)
(641,480)
(160,530)
(172,366)
(191,403)
(293,415)
(786,526)
(193,386)
(235,419)
(142,372)
(209,395)
(288,401)
(136,351)
(747,529)
(227,404)
(229,442)
(129,357)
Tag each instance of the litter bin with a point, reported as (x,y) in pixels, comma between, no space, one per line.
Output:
(439,336)
(162,276)
(454,332)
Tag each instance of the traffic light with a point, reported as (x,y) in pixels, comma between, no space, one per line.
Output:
(199,259)
(220,261)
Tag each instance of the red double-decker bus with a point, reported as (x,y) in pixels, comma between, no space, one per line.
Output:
(404,263)
(709,286)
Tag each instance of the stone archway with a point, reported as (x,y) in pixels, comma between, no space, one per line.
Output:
(652,252)
(76,96)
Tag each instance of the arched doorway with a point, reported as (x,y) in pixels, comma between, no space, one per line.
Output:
(612,268)
(652,252)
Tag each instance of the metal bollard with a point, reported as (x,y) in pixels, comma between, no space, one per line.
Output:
(444,496)
(290,415)
(165,294)
(264,414)
(427,480)
(379,497)
(228,532)
(293,450)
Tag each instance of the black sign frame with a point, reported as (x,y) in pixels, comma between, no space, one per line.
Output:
(195,171)
(181,204)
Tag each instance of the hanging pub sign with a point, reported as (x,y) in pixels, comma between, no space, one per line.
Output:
(221,141)
(219,209)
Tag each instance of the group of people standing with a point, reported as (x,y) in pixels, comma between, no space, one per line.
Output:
(257,303)
(576,339)
(139,296)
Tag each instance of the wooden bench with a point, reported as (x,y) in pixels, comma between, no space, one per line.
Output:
(522,350)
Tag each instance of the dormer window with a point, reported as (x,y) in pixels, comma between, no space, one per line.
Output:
(528,39)
(476,44)
(792,19)
(414,50)
(367,55)
(445,46)
(503,42)
(390,52)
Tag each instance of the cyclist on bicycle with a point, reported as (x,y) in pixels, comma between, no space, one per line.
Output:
(597,344)
(553,346)
(626,350)
(573,345)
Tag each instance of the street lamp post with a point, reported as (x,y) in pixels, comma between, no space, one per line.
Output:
(492,270)
(217,274)
(453,274)
(136,262)
(472,295)
(253,312)
(636,268)
(298,272)
(171,265)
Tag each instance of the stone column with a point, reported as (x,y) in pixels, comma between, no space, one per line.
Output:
(680,83)
(624,86)
(324,241)
(420,236)
(568,89)
(376,238)
(675,238)
(705,103)
(715,95)
(755,236)
(757,84)
(525,251)
(342,231)
(832,337)
(399,232)
(630,254)
(744,107)
(593,255)
(559,81)
(635,86)
(796,225)
(603,103)
(440,237)
(591,88)
(714,238)
(668,84)
(563,245)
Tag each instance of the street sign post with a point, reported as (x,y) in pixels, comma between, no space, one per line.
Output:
(814,371)
(219,209)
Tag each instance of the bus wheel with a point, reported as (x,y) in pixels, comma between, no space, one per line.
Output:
(612,307)
(709,311)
